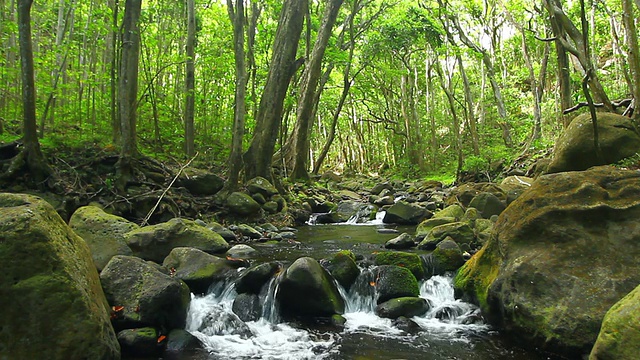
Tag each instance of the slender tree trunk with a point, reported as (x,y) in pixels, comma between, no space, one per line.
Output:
(309,86)
(190,80)
(447,87)
(236,15)
(116,131)
(631,37)
(258,158)
(35,161)
(471,116)
(128,90)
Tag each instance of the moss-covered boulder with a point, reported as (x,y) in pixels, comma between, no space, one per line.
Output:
(394,282)
(619,336)
(407,260)
(460,232)
(155,242)
(307,290)
(464,193)
(404,306)
(243,204)
(454,211)
(253,279)
(260,185)
(200,182)
(141,342)
(560,256)
(405,213)
(447,255)
(574,149)
(342,266)
(51,302)
(143,296)
(425,227)
(196,268)
(104,233)
(487,204)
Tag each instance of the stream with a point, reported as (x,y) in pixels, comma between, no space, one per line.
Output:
(451,329)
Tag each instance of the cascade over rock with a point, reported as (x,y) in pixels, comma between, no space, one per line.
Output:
(104,233)
(574,149)
(308,290)
(51,302)
(561,255)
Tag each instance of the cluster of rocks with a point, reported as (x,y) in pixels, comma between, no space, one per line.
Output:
(260,195)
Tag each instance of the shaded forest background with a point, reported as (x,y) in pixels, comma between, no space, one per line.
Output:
(402,88)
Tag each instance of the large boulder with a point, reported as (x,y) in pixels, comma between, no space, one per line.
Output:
(155,242)
(406,214)
(619,336)
(560,256)
(242,204)
(200,182)
(104,233)
(574,150)
(487,204)
(142,342)
(144,296)
(447,256)
(196,268)
(51,302)
(393,282)
(307,290)
(254,278)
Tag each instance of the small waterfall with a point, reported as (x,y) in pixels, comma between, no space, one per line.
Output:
(224,335)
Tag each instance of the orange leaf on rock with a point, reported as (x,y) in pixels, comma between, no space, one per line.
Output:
(161,338)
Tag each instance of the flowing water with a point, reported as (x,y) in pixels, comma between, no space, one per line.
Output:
(451,329)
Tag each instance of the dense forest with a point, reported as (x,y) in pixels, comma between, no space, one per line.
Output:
(413,89)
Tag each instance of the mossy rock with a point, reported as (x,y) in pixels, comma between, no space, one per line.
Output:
(619,336)
(394,282)
(51,303)
(155,242)
(571,230)
(487,204)
(574,149)
(196,268)
(104,233)
(260,185)
(139,342)
(404,306)
(426,226)
(460,232)
(401,242)
(147,296)
(342,266)
(452,211)
(200,182)
(407,260)
(447,255)
(181,344)
(307,290)
(405,213)
(242,204)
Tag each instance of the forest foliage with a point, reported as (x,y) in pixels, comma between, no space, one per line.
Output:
(410,88)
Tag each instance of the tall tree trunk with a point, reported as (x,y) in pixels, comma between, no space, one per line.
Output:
(258,158)
(32,155)
(471,116)
(309,86)
(116,131)
(128,91)
(190,81)
(447,87)
(236,15)
(631,37)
